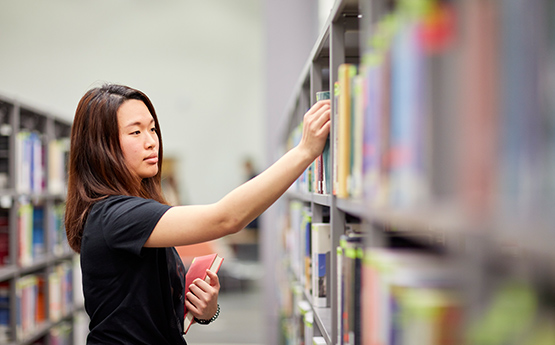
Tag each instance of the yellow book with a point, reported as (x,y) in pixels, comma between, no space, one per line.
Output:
(345,74)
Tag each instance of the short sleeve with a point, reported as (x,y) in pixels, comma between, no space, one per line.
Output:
(127,222)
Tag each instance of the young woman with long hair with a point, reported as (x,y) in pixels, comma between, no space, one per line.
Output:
(117,218)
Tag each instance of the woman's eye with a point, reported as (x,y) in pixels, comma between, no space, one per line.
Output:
(136,132)
(153,129)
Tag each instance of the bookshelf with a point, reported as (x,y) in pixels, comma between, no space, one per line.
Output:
(441,166)
(40,300)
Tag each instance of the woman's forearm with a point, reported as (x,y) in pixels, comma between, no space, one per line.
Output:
(249,200)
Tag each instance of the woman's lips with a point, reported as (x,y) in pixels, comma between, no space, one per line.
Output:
(151,159)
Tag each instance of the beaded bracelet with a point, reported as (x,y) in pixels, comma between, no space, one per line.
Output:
(206,322)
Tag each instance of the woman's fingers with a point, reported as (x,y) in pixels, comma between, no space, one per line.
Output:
(214,280)
(324,115)
(317,107)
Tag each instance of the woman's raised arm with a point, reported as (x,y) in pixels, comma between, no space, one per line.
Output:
(182,225)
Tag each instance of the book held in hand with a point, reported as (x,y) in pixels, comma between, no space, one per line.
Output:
(198,268)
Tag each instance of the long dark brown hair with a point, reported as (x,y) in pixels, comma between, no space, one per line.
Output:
(96,164)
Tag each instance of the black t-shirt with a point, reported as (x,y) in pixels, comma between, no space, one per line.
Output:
(133,295)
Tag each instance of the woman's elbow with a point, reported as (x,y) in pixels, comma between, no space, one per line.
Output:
(230,222)
(229,225)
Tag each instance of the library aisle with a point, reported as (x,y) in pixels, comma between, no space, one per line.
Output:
(241,320)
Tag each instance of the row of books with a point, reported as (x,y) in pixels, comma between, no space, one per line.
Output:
(33,230)
(31,302)
(450,101)
(61,296)
(58,335)
(41,167)
(308,245)
(34,300)
(406,297)
(518,311)
(384,296)
(295,282)
(413,296)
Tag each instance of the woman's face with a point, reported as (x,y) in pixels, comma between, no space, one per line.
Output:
(138,138)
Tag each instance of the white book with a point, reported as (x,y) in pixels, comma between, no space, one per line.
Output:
(321,248)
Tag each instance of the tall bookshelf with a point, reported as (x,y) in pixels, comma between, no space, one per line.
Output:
(40,300)
(440,177)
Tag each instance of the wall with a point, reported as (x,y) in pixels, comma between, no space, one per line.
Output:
(199,61)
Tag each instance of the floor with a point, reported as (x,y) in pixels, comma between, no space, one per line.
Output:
(241,320)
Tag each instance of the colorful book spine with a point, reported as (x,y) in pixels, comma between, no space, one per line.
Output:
(348,294)
(4,312)
(407,115)
(345,74)
(335,136)
(4,238)
(306,227)
(478,110)
(357,141)
(321,251)
(324,160)
(30,163)
(57,160)
(25,234)
(31,304)
(409,297)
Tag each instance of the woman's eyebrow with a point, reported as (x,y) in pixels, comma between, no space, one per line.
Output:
(137,123)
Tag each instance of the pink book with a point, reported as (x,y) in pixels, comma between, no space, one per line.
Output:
(198,268)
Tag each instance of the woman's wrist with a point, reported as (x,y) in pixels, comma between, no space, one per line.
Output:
(206,322)
(305,154)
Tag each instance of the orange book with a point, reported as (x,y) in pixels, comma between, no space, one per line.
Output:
(198,268)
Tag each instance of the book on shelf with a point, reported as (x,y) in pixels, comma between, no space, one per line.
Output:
(479,106)
(308,327)
(198,268)
(346,74)
(408,115)
(324,160)
(4,158)
(294,239)
(4,238)
(335,136)
(355,186)
(303,308)
(57,161)
(30,304)
(60,294)
(408,295)
(375,106)
(318,341)
(58,240)
(306,236)
(4,312)
(30,162)
(349,256)
(321,251)
(38,249)
(25,233)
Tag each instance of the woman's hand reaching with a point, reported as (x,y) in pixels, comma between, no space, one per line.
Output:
(316,128)
(202,298)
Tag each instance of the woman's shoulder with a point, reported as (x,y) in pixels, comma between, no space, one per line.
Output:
(122,210)
(124,203)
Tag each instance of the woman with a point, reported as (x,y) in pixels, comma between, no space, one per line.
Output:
(117,218)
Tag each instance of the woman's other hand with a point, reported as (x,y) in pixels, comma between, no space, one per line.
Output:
(202,298)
